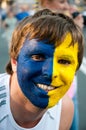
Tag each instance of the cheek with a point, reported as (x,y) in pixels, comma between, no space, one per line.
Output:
(24,71)
(22,74)
(27,69)
(67,75)
(61,77)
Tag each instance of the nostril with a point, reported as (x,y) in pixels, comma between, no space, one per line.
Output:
(45,75)
(55,76)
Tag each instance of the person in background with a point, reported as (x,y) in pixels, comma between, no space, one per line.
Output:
(77,16)
(62,6)
(55,5)
(23,11)
(42,65)
(9,24)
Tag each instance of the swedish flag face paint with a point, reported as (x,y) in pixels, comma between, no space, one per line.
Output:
(45,72)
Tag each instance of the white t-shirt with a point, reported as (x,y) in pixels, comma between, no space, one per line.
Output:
(50,120)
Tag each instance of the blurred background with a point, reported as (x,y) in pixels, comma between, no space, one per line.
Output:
(11,12)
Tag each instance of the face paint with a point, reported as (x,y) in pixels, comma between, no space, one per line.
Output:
(45,72)
(34,71)
(65,63)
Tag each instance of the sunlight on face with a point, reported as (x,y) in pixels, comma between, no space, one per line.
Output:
(65,63)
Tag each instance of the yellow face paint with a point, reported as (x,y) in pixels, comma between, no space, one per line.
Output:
(65,62)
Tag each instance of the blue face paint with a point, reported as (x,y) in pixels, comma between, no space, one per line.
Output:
(34,67)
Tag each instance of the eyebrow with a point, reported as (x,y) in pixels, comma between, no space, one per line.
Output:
(67,57)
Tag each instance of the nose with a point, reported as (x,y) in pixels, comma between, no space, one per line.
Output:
(47,69)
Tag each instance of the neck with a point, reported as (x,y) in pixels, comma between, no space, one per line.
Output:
(22,107)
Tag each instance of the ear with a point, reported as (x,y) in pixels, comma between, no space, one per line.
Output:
(14,65)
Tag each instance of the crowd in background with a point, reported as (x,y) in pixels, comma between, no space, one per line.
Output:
(13,12)
(11,15)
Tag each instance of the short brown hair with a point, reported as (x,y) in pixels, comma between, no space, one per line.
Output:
(45,24)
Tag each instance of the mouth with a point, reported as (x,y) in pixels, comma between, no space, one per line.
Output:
(46,87)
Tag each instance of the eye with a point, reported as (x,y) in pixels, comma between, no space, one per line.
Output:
(61,1)
(38,57)
(65,62)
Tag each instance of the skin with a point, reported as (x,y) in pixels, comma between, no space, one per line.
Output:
(67,113)
(41,63)
(55,5)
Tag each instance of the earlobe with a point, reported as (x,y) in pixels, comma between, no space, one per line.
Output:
(14,65)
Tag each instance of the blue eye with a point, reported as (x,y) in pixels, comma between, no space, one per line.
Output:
(65,62)
(38,57)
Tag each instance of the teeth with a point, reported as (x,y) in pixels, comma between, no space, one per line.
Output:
(45,87)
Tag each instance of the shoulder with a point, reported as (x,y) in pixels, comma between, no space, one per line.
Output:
(67,113)
(3,77)
(4,93)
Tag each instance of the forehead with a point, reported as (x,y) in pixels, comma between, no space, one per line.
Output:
(34,46)
(44,44)
(67,40)
(66,46)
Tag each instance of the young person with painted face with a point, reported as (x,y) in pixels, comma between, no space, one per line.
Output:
(46,51)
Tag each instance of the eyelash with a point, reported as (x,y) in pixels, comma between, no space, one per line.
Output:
(62,61)
(38,57)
